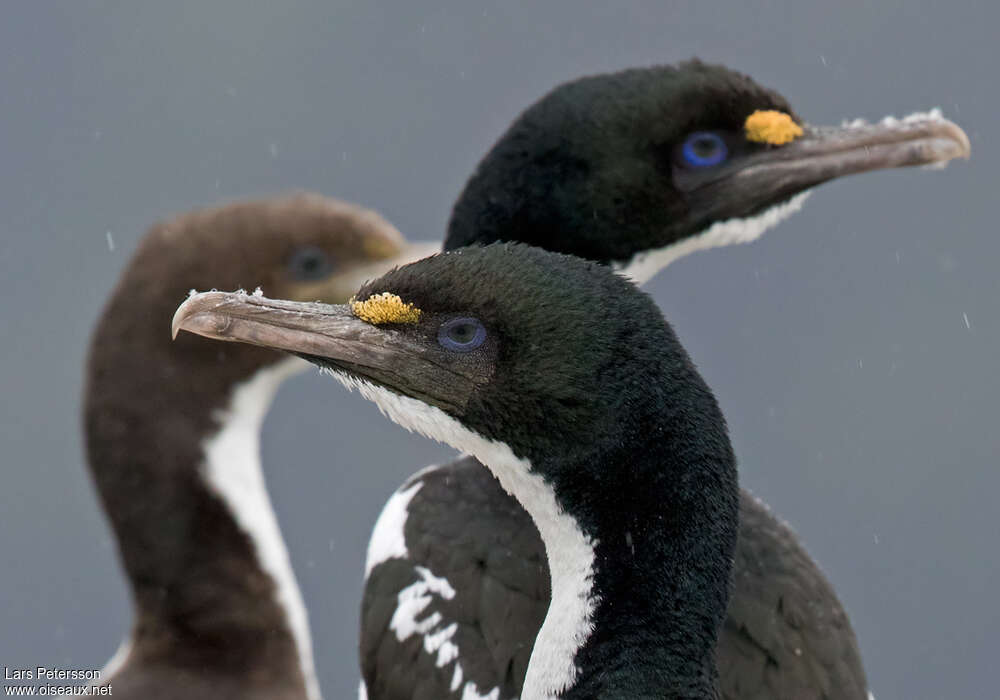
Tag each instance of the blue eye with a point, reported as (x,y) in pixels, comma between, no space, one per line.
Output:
(703,149)
(461,334)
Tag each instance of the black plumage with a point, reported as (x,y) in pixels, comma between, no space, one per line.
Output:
(587,408)
(785,631)
(596,169)
(590,169)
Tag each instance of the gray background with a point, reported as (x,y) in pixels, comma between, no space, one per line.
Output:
(862,404)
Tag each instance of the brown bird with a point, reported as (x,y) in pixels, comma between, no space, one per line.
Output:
(172,436)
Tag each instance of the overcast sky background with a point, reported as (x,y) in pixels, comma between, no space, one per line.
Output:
(854,349)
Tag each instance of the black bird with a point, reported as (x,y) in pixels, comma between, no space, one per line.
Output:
(172,436)
(567,383)
(633,169)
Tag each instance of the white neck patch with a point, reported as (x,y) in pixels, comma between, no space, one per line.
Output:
(116,662)
(644,266)
(568,622)
(233,470)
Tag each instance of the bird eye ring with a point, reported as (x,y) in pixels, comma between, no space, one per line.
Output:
(462,334)
(704,149)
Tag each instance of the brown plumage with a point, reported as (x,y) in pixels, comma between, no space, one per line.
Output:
(208,623)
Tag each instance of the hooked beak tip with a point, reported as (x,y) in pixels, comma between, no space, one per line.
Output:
(194,307)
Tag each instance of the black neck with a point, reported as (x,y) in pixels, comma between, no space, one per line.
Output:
(199,589)
(661,502)
(662,590)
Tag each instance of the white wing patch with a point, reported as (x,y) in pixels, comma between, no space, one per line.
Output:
(469,693)
(437,637)
(388,539)
(413,600)
(232,469)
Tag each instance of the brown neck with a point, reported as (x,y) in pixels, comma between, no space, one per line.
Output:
(203,593)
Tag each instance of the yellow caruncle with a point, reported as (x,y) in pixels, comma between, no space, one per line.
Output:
(385,308)
(772,127)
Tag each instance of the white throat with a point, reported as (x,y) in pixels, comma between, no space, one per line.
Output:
(568,622)
(233,470)
(644,266)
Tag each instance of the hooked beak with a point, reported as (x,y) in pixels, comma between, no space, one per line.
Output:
(333,338)
(826,153)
